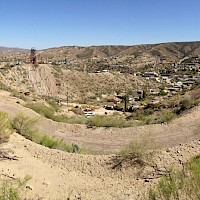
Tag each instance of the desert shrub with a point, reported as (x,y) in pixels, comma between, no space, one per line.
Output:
(160,117)
(5,127)
(162,93)
(26,127)
(14,92)
(8,65)
(49,142)
(177,185)
(169,186)
(108,121)
(53,105)
(17,94)
(156,53)
(141,114)
(185,104)
(4,87)
(71,148)
(78,111)
(165,116)
(136,153)
(148,119)
(11,190)
(53,143)
(136,150)
(193,181)
(43,110)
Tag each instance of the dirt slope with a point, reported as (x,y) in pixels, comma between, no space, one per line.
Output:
(60,175)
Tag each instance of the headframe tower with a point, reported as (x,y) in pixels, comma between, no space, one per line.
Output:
(33,56)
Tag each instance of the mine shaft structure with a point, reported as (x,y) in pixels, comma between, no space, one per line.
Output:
(33,56)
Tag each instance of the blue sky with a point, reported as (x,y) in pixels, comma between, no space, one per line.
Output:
(51,23)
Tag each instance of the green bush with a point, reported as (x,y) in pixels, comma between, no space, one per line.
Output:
(61,145)
(165,116)
(11,190)
(108,121)
(161,117)
(193,181)
(162,93)
(78,111)
(178,185)
(136,150)
(53,105)
(169,186)
(185,104)
(49,142)
(137,153)
(43,110)
(26,127)
(5,127)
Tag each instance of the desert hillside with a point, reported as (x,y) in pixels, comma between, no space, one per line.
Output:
(101,122)
(48,80)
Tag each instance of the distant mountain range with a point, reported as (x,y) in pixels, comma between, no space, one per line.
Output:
(172,51)
(11,49)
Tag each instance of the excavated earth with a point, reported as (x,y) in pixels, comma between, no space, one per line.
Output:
(60,175)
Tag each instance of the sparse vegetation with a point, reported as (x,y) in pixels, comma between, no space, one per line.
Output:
(177,185)
(53,105)
(161,117)
(26,127)
(14,92)
(12,190)
(149,116)
(42,109)
(78,111)
(5,127)
(49,112)
(98,121)
(136,153)
(108,121)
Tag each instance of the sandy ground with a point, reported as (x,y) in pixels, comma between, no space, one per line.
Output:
(59,175)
